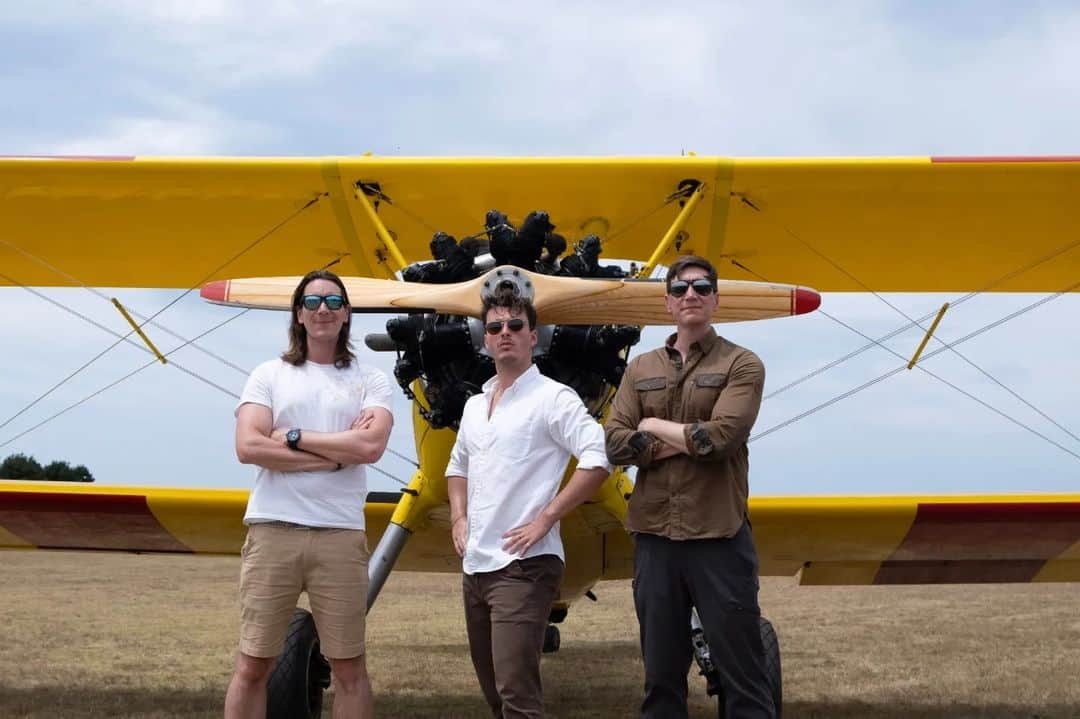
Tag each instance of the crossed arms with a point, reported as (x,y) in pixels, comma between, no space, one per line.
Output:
(258,442)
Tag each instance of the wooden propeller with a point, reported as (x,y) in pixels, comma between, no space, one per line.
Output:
(558,300)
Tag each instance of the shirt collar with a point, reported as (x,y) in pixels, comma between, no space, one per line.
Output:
(527,377)
(705,344)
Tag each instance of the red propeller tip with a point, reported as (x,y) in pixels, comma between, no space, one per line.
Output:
(806,300)
(215,291)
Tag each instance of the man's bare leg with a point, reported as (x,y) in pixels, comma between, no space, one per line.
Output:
(246,697)
(352,689)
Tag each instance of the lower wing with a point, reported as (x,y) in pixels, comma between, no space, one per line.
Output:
(825,540)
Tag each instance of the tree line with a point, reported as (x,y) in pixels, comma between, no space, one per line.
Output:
(21,466)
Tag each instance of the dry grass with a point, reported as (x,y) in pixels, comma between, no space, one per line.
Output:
(96,635)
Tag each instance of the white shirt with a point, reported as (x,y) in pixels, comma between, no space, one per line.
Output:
(514,462)
(320,398)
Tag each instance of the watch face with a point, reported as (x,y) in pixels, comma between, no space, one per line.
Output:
(292,436)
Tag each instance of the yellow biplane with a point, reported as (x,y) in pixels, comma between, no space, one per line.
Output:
(235,227)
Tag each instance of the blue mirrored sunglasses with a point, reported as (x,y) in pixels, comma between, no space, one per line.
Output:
(333,302)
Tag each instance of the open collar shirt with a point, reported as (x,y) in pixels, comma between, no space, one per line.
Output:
(514,462)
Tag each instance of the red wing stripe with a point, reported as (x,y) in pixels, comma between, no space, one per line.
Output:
(1003,158)
(96,158)
(86,521)
(982,542)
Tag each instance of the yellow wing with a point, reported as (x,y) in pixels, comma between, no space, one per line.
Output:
(828,540)
(51,515)
(909,224)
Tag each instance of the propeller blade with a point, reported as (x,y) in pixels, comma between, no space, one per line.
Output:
(558,300)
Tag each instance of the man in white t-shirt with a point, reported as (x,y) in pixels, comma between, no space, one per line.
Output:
(503,478)
(309,421)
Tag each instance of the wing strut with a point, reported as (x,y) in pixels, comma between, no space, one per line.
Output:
(929,333)
(691,202)
(397,260)
(418,500)
(138,330)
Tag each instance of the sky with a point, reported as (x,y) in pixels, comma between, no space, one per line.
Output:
(410,78)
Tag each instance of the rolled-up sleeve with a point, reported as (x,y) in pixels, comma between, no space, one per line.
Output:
(572,428)
(625,444)
(733,415)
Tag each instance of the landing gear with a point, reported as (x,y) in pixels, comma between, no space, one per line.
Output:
(551,639)
(703,657)
(301,674)
(772,663)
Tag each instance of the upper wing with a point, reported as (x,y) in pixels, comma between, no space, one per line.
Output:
(917,224)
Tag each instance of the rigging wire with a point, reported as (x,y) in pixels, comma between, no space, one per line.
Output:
(903,367)
(918,323)
(235,257)
(132,374)
(48,265)
(128,340)
(143,348)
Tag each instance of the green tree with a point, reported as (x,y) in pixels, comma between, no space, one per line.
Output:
(79,473)
(20,466)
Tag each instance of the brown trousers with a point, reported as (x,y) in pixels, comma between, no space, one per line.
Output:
(506,613)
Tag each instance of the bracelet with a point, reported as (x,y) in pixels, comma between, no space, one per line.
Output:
(455,521)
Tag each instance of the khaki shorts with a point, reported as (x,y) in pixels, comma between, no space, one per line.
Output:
(279,562)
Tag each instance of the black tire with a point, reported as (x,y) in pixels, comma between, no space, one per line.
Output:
(551,639)
(772,663)
(300,675)
(773,672)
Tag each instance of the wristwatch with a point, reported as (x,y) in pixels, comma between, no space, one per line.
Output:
(292,438)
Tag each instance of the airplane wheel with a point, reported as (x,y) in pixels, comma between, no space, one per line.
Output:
(301,673)
(551,639)
(772,663)
(772,668)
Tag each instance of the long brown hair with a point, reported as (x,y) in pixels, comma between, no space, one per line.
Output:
(297,352)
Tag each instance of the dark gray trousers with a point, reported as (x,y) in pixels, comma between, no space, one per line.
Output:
(719,578)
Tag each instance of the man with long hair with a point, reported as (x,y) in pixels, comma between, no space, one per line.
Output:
(309,421)
(683,414)
(512,447)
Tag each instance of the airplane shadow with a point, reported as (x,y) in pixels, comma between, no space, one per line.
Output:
(63,701)
(911,710)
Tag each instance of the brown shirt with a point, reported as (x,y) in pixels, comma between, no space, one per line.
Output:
(716,393)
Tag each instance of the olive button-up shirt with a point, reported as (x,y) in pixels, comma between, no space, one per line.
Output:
(716,394)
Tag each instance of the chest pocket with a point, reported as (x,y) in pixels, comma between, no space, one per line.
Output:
(705,392)
(652,393)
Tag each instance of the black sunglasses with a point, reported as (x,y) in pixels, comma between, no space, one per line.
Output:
(514,325)
(333,302)
(702,287)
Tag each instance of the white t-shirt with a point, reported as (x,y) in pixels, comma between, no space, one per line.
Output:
(320,398)
(513,462)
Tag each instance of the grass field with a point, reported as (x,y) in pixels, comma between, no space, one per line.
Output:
(103,635)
